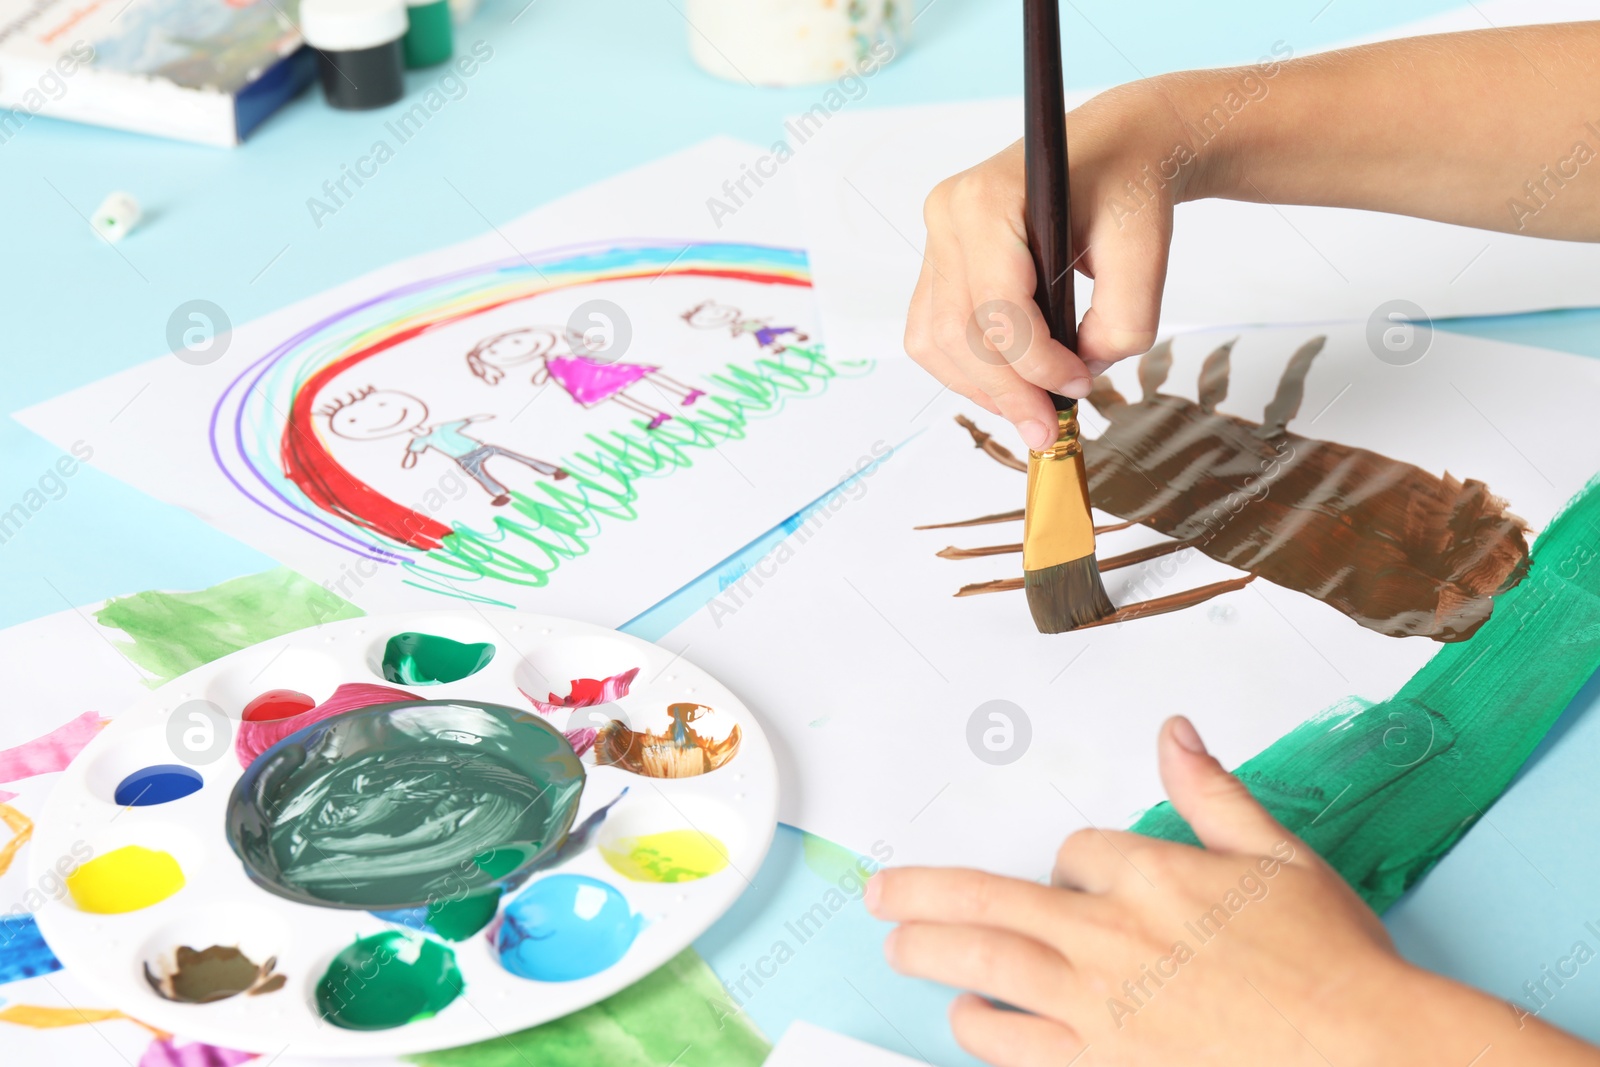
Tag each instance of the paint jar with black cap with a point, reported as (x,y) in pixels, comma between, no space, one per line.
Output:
(360,54)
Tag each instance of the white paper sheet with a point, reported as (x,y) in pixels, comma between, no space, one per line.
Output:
(368,496)
(865,174)
(869,674)
(806,1045)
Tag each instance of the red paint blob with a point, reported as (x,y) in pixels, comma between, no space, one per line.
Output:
(277,704)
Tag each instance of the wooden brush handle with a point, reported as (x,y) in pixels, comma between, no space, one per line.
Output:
(1049,212)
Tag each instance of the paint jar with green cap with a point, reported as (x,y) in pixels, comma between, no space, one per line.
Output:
(359,51)
(430,38)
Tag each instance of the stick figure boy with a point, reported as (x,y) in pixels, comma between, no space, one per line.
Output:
(371,413)
(710,315)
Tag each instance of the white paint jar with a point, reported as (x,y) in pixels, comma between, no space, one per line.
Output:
(793,42)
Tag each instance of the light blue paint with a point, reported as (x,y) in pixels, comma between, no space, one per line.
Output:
(565,927)
(1575,330)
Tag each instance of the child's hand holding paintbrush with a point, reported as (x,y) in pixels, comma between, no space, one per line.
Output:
(1250,949)
(1448,128)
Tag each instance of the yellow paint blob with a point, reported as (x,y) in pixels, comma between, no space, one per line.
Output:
(673,856)
(125,879)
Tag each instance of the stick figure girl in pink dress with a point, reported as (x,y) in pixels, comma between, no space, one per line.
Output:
(567,361)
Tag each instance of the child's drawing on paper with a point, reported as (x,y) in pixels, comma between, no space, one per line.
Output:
(1399,550)
(710,315)
(588,378)
(372,414)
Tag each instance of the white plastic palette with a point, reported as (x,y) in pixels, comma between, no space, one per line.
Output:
(220,905)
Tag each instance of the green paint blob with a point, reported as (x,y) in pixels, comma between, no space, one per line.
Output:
(679,1014)
(388,980)
(1383,790)
(457,920)
(424,659)
(173,633)
(398,805)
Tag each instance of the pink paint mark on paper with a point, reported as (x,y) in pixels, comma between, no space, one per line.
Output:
(52,752)
(6,798)
(256,737)
(582,739)
(166,1053)
(587,693)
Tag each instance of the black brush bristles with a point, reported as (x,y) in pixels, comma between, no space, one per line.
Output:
(1066,596)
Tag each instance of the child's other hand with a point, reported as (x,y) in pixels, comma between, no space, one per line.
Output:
(1251,950)
(973,323)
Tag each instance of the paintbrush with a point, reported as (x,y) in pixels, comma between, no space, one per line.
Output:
(1059,571)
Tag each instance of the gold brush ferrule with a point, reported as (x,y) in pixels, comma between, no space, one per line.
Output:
(1057,527)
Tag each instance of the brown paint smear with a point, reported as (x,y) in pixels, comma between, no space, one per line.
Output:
(216,973)
(679,752)
(1399,550)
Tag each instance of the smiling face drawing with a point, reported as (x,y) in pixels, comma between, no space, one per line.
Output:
(490,357)
(374,413)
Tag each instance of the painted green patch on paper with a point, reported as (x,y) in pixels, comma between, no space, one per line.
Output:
(173,633)
(1383,790)
(680,1015)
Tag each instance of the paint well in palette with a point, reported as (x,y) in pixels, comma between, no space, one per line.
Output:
(160,783)
(203,976)
(399,804)
(427,659)
(565,927)
(277,704)
(678,752)
(670,856)
(125,879)
(388,980)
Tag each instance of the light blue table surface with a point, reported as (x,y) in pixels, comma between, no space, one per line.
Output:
(578,90)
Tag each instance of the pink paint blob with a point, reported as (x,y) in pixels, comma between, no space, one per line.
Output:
(164,1052)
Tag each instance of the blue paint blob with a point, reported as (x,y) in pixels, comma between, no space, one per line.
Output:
(157,784)
(23,953)
(565,927)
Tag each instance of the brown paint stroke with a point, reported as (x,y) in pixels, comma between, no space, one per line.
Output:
(1013,516)
(995,450)
(1397,549)
(1127,559)
(978,553)
(982,520)
(1161,605)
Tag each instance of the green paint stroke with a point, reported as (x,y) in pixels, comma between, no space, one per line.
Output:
(536,534)
(1384,790)
(680,1014)
(173,633)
